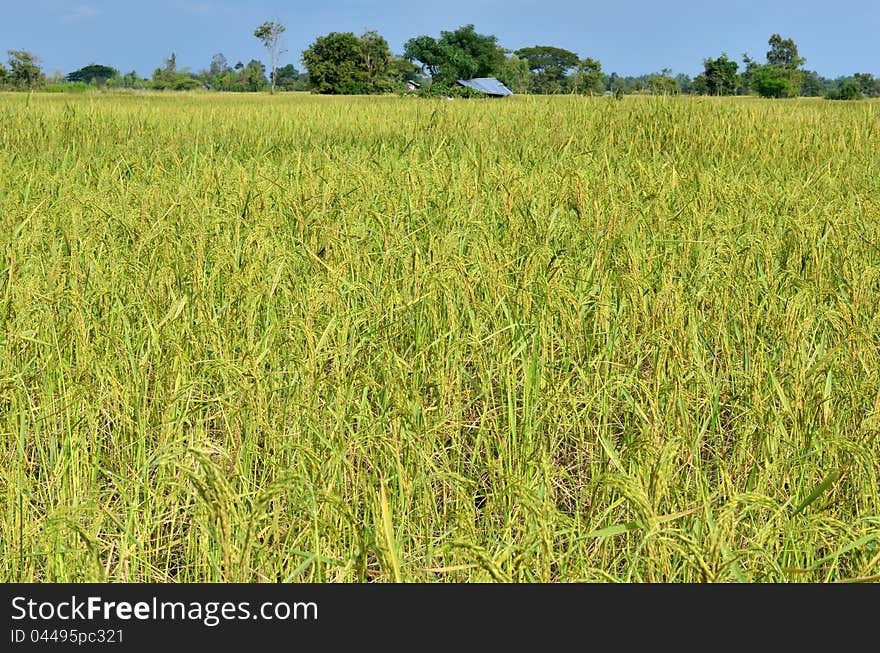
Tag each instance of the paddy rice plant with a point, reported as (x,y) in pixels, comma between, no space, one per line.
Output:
(551,339)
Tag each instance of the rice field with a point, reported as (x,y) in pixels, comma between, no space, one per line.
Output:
(316,339)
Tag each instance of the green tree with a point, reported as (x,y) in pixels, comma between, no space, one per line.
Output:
(334,64)
(718,77)
(663,83)
(288,78)
(482,49)
(4,76)
(849,90)
(588,78)
(811,84)
(550,66)
(93,73)
(219,65)
(164,78)
(774,82)
(781,76)
(133,80)
(515,74)
(868,84)
(428,52)
(784,53)
(615,84)
(243,78)
(402,70)
(253,76)
(216,74)
(684,82)
(270,34)
(24,69)
(745,79)
(171,79)
(459,54)
(376,60)
(342,63)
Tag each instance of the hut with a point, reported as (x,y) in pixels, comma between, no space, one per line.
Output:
(488,85)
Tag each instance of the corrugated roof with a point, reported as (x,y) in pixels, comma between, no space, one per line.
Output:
(487,85)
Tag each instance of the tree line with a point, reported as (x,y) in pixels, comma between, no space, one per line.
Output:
(346,63)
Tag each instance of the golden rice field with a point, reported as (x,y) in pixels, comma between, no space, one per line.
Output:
(302,338)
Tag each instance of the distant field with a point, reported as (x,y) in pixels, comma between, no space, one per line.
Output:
(304,338)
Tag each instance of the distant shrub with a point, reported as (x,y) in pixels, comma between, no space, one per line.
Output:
(68,87)
(848,91)
(770,81)
(180,82)
(187,84)
(441,89)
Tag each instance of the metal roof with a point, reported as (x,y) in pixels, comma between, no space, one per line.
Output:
(487,85)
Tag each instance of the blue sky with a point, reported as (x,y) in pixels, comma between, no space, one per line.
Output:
(628,37)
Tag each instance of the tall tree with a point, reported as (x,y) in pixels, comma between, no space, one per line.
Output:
(270,34)
(847,90)
(133,80)
(515,74)
(811,85)
(403,70)
(684,82)
(343,63)
(784,53)
(718,77)
(24,69)
(663,83)
(459,54)
(171,79)
(377,58)
(253,76)
(480,49)
(288,78)
(868,84)
(219,74)
(588,78)
(164,77)
(550,66)
(745,78)
(219,65)
(93,73)
(428,52)
(616,84)
(781,76)
(546,58)
(774,82)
